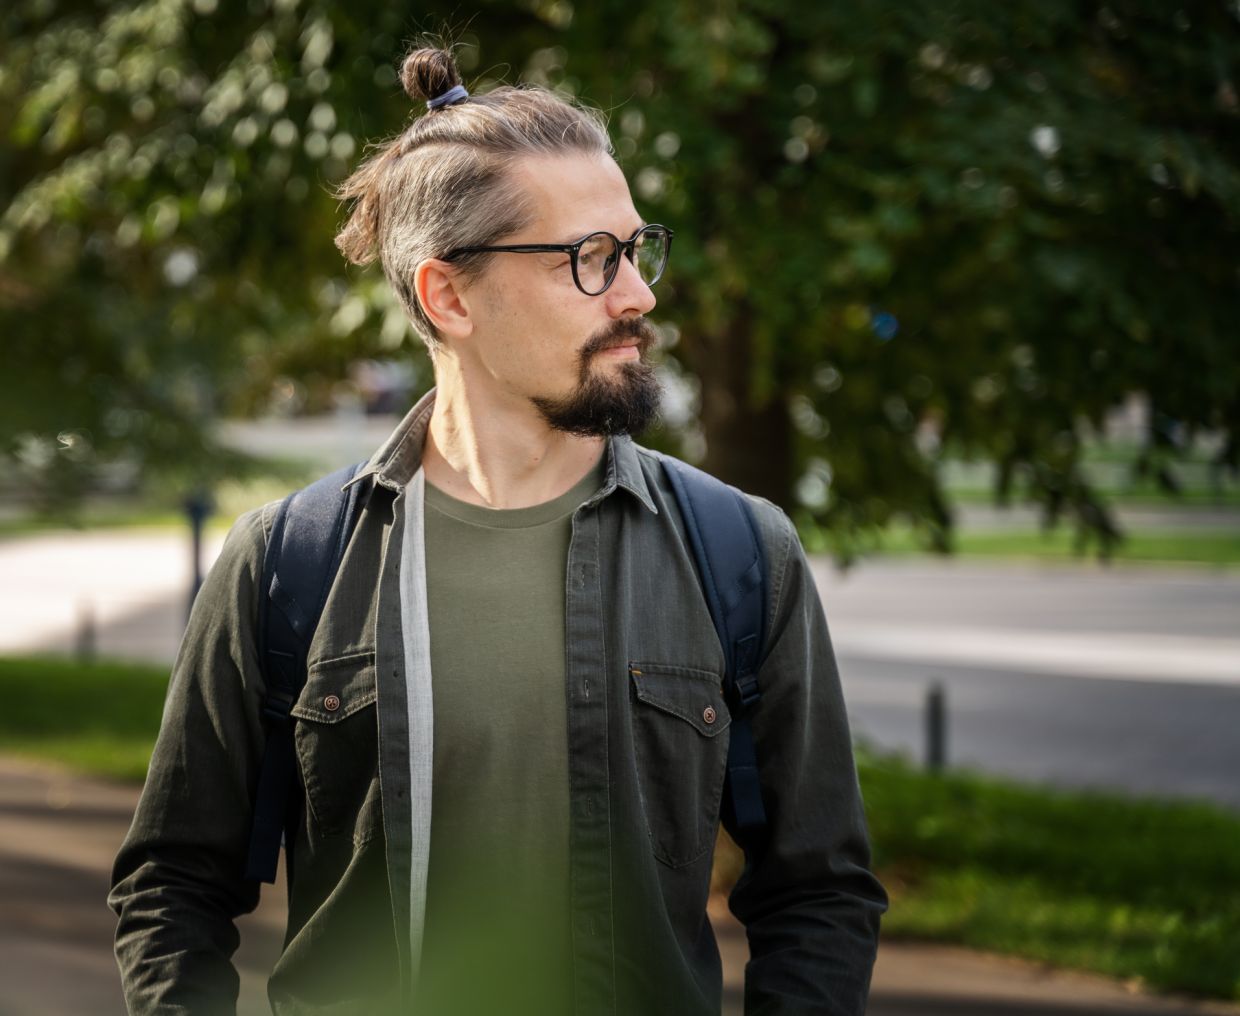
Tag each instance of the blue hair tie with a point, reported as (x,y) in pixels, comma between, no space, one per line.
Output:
(453,95)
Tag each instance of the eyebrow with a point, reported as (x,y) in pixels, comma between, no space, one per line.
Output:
(577,236)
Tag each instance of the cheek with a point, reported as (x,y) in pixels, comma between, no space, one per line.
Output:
(536,343)
(555,327)
(541,323)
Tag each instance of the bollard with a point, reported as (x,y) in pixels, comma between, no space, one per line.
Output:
(936,728)
(198,507)
(85,642)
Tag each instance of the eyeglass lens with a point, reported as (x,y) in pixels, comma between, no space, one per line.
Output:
(599,259)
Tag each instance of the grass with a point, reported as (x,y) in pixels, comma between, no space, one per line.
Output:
(1217,547)
(1146,890)
(100,718)
(112,517)
(1144,495)
(161,510)
(1143,890)
(967,482)
(1109,466)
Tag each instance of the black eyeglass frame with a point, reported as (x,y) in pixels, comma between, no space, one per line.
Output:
(627,248)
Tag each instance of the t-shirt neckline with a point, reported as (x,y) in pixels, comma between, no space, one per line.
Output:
(519,518)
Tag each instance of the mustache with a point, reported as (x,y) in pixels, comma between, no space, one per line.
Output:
(621,331)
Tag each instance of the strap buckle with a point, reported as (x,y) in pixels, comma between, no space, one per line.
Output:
(278,705)
(748,690)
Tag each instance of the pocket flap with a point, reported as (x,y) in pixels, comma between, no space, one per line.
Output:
(336,689)
(693,695)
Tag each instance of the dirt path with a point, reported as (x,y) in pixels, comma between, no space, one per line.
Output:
(59,833)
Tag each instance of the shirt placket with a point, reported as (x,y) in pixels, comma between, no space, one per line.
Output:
(590,840)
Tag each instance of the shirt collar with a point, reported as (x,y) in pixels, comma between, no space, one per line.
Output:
(398,458)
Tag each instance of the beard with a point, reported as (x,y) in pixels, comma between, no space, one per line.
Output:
(608,399)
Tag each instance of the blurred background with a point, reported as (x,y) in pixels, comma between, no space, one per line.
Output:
(954,283)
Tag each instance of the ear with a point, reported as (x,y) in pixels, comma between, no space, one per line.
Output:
(440,290)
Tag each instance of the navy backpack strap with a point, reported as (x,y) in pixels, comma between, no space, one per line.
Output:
(308,537)
(723,534)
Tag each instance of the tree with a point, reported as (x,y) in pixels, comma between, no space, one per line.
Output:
(999,218)
(903,230)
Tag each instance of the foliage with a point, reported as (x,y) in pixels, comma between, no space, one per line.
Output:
(164,257)
(999,218)
(903,231)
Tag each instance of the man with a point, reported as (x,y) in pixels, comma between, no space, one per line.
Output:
(533,830)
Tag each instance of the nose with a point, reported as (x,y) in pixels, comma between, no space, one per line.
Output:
(628,292)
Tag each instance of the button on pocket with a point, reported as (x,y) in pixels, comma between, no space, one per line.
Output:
(337,740)
(678,716)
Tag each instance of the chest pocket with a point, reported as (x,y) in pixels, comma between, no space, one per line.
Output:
(679,715)
(337,741)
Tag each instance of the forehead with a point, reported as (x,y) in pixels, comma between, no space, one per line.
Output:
(574,194)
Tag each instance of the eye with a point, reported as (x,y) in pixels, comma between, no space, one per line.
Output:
(597,249)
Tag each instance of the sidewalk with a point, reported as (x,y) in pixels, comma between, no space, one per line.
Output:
(60,832)
(129,590)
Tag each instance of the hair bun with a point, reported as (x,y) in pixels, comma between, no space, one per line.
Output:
(427,73)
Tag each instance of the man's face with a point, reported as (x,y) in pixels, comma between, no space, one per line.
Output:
(581,361)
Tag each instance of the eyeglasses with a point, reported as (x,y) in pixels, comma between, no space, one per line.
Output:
(596,258)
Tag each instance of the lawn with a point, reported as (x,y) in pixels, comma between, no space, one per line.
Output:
(1217,547)
(1143,890)
(100,718)
(1128,887)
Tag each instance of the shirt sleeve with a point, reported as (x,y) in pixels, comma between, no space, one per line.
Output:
(178,881)
(809,902)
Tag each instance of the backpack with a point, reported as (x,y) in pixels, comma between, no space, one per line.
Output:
(308,536)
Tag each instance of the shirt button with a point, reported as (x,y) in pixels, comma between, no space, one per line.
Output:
(331,703)
(708,714)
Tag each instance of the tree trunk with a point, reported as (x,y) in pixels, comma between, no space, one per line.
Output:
(750,448)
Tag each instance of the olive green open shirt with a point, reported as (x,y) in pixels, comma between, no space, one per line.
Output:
(647,741)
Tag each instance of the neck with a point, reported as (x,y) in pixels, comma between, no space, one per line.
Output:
(498,452)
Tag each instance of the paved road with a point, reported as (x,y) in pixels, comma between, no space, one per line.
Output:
(1112,604)
(1125,677)
(1076,676)
(1151,739)
(59,833)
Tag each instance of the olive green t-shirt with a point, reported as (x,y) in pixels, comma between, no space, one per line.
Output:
(497,935)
